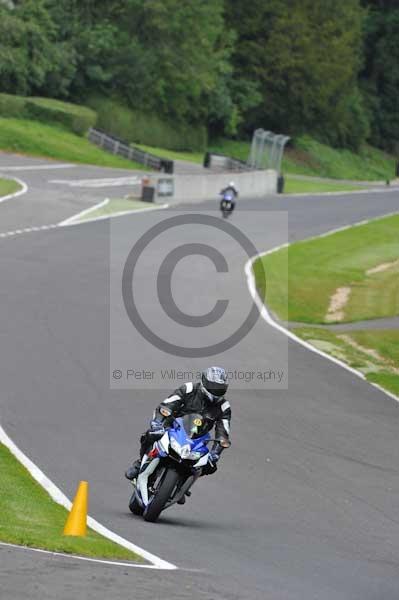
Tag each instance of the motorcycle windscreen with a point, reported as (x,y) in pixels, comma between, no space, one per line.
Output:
(194,425)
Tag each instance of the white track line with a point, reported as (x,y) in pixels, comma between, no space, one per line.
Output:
(58,496)
(77,557)
(71,221)
(23,190)
(84,212)
(37,167)
(8,234)
(99,183)
(265,314)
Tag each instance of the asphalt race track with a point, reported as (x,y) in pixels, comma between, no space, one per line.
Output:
(304,506)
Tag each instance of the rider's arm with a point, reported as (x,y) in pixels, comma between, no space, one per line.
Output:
(171,406)
(222,428)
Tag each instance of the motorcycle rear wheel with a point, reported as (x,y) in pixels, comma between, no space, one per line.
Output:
(163,494)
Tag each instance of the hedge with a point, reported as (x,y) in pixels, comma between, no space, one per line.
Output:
(12,106)
(147,128)
(73,117)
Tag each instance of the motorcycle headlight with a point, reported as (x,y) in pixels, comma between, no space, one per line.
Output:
(185,451)
(195,455)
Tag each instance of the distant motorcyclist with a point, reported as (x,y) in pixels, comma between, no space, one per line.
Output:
(206,398)
(232,191)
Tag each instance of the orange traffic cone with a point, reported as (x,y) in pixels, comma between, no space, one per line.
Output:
(76,523)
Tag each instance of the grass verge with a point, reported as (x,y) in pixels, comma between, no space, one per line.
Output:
(50,141)
(375,353)
(298,186)
(310,157)
(8,186)
(30,518)
(317,268)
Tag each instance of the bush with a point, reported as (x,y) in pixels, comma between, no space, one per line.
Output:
(148,129)
(74,117)
(12,106)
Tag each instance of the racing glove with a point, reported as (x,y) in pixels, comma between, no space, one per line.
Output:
(157,428)
(213,457)
(211,465)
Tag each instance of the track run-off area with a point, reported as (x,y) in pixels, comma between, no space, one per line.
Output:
(304,505)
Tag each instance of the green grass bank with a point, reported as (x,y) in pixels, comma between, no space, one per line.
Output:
(351,259)
(298,186)
(176,141)
(30,518)
(307,156)
(8,186)
(35,138)
(301,281)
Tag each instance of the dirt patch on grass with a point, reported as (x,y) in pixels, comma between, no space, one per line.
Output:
(338,302)
(369,351)
(383,267)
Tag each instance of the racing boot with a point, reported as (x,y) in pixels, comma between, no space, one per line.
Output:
(133,471)
(183,500)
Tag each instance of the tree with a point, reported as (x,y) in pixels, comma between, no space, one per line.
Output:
(185,44)
(305,56)
(30,55)
(380,78)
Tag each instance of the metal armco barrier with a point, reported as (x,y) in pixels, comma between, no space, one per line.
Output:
(122,148)
(224,163)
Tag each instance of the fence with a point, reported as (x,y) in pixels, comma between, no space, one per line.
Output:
(266,153)
(267,150)
(122,148)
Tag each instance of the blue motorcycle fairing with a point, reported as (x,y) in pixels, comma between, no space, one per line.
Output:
(178,432)
(228,197)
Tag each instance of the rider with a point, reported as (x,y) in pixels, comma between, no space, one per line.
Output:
(233,190)
(206,398)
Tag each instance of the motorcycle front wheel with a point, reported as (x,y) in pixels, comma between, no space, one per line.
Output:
(164,492)
(134,505)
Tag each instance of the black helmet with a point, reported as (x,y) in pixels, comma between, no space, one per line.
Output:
(214,382)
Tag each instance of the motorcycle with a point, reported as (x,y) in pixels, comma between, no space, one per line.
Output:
(226,204)
(171,467)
